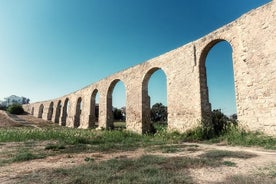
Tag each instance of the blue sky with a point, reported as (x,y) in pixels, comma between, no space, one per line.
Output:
(49,48)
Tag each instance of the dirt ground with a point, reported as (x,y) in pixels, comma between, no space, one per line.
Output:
(252,166)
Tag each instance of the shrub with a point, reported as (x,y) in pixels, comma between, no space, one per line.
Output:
(219,125)
(15,109)
(4,108)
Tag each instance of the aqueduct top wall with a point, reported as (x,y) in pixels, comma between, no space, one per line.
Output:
(253,41)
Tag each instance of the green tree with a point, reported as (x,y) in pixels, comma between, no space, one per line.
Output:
(221,122)
(159,113)
(15,109)
(117,114)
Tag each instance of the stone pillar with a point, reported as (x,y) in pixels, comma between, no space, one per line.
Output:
(102,111)
(134,107)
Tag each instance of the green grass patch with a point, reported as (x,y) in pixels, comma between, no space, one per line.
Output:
(25,155)
(241,137)
(229,163)
(55,147)
(217,157)
(76,140)
(95,140)
(174,148)
(171,148)
(220,154)
(233,136)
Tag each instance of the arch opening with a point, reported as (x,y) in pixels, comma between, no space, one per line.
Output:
(40,111)
(78,113)
(65,111)
(58,111)
(154,100)
(116,105)
(94,110)
(217,80)
(50,111)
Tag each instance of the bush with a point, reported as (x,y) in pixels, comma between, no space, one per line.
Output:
(15,109)
(219,125)
(4,108)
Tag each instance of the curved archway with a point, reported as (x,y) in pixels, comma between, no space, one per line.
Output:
(40,111)
(78,113)
(65,110)
(116,113)
(58,110)
(94,109)
(157,79)
(217,78)
(50,111)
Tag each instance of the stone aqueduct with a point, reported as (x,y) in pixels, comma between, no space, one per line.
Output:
(253,41)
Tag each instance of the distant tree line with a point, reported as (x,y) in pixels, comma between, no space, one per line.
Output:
(13,104)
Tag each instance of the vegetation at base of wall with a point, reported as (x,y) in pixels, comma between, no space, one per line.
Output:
(224,129)
(68,138)
(15,109)
(219,125)
(237,136)
(234,136)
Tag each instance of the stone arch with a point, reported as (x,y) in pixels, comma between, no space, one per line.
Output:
(109,106)
(58,111)
(40,111)
(50,111)
(146,116)
(65,110)
(94,109)
(78,113)
(204,92)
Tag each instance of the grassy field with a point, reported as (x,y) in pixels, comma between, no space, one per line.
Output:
(29,143)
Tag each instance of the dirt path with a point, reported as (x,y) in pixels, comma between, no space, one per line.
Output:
(12,120)
(264,159)
(5,120)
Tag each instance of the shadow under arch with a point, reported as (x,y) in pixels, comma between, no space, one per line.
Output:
(94,109)
(146,100)
(58,111)
(40,111)
(109,107)
(50,111)
(206,107)
(65,110)
(78,113)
